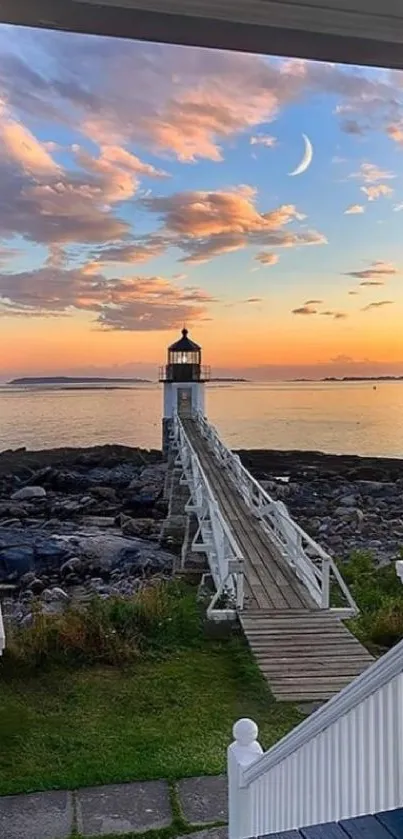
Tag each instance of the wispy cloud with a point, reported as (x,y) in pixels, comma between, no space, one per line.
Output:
(263,140)
(336,315)
(267,258)
(304,310)
(370,173)
(377,305)
(377,191)
(313,302)
(207,224)
(395,131)
(131,304)
(354,209)
(376,271)
(372,283)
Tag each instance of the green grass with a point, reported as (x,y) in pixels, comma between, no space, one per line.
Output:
(162,718)
(378,593)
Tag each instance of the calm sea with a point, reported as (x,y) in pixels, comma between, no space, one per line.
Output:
(351,418)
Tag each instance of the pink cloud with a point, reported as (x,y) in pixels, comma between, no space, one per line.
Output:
(117,171)
(132,304)
(354,209)
(370,173)
(376,271)
(267,258)
(304,310)
(205,224)
(377,191)
(378,305)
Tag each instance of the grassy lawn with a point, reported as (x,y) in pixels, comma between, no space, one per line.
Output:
(158,718)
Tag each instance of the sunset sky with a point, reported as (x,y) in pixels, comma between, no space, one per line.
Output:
(145,187)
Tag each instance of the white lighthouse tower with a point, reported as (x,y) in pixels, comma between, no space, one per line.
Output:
(183,377)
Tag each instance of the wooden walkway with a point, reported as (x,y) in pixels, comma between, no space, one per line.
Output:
(387,825)
(305,653)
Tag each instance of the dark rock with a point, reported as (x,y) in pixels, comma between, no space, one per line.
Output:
(105,493)
(36,586)
(13,509)
(73,565)
(15,561)
(50,595)
(117,477)
(27,579)
(137,527)
(51,553)
(29,493)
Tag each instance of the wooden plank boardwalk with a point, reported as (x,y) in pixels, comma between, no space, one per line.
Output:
(305,653)
(386,825)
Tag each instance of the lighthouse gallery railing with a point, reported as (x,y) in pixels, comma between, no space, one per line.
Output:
(213,536)
(311,563)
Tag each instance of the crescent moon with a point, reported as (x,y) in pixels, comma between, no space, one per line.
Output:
(306,160)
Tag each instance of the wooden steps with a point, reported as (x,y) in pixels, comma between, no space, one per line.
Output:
(305,656)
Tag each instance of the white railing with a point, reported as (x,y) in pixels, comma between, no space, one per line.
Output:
(311,563)
(345,760)
(213,536)
(2,634)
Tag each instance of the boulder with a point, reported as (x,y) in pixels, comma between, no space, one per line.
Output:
(49,595)
(29,493)
(15,560)
(105,493)
(13,509)
(348,500)
(137,527)
(51,552)
(102,552)
(73,565)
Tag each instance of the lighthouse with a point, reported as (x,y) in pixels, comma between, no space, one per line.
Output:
(183,377)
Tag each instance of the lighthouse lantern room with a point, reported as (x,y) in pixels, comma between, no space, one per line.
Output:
(183,377)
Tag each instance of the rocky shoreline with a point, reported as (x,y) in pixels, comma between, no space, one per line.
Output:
(79,522)
(344,502)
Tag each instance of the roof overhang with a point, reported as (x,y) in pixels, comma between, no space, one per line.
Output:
(366,32)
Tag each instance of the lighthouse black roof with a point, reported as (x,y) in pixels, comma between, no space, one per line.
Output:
(184,344)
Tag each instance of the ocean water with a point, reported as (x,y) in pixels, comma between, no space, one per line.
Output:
(350,418)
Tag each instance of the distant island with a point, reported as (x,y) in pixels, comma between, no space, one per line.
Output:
(73,380)
(354,379)
(220,379)
(363,379)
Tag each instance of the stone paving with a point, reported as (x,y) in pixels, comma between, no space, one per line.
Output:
(117,809)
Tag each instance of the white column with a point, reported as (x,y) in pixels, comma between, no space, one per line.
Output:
(399,569)
(241,753)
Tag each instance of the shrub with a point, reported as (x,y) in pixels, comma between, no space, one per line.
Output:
(378,593)
(116,631)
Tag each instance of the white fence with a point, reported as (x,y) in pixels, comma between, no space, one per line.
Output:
(213,536)
(345,760)
(2,634)
(312,565)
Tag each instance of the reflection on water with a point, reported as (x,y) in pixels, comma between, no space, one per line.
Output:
(334,417)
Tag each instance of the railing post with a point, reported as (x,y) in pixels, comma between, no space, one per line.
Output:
(240,590)
(241,753)
(325,582)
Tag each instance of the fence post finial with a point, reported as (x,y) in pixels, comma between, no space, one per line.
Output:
(241,753)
